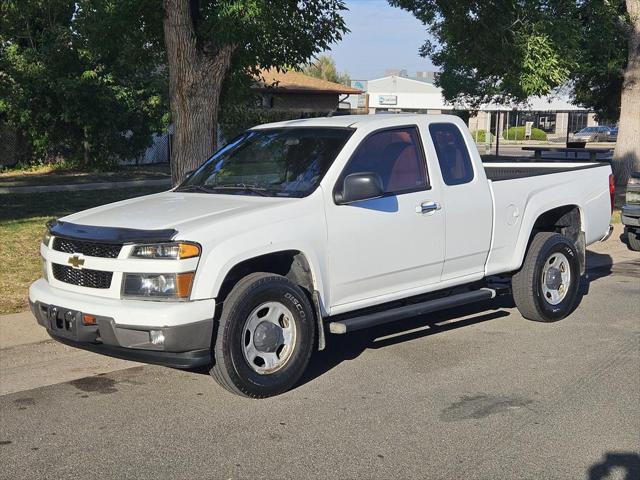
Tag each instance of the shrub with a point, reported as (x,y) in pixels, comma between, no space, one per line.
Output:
(481,136)
(517,133)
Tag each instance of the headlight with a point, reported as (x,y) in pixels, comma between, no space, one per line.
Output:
(46,238)
(170,251)
(633,190)
(171,286)
(632,197)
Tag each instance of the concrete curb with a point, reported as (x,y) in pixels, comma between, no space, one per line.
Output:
(20,329)
(163,182)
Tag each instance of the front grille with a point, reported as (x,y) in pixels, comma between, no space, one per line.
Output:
(91,249)
(82,278)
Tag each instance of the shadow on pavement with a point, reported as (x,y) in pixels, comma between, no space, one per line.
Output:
(626,463)
(349,346)
(598,265)
(341,348)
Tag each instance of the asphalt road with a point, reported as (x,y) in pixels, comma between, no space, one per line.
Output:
(477,392)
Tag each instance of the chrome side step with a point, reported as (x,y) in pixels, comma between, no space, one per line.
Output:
(608,234)
(378,318)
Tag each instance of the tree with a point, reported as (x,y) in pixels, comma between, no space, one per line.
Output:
(208,42)
(81,79)
(500,50)
(325,68)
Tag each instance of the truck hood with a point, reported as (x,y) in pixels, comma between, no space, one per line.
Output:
(171,210)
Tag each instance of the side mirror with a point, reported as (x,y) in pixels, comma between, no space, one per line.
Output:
(358,187)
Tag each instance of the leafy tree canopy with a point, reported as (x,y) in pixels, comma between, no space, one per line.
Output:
(325,68)
(498,50)
(82,79)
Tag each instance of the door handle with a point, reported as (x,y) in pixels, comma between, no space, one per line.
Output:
(428,207)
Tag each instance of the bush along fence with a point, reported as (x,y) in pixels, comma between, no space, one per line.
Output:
(517,133)
(513,133)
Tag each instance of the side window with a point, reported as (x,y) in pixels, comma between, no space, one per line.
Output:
(396,155)
(453,155)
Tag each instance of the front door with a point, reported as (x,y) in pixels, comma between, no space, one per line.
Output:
(393,244)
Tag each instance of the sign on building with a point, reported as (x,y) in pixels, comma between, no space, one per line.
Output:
(388,99)
(361,85)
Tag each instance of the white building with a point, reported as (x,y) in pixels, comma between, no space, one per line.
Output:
(402,94)
(555,114)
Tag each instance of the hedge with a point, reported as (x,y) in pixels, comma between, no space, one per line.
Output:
(517,133)
(481,138)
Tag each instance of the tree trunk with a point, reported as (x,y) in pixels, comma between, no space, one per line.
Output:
(86,148)
(196,74)
(626,157)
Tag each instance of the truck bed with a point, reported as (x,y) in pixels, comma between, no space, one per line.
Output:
(498,171)
(521,191)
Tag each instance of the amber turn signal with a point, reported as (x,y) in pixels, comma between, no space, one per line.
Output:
(89,319)
(188,250)
(183,284)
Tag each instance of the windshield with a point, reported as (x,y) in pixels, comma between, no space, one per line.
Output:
(588,130)
(271,162)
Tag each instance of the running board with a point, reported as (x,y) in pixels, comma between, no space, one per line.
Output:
(408,311)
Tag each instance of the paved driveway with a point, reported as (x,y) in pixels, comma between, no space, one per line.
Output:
(477,392)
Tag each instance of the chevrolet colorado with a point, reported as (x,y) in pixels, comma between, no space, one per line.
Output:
(301,226)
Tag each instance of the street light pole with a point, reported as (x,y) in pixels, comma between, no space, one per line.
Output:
(498,134)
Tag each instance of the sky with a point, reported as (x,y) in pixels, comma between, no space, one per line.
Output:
(381,37)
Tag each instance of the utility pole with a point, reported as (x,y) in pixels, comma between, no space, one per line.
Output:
(498,134)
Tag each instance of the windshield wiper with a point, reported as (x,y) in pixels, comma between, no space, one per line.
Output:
(243,187)
(193,188)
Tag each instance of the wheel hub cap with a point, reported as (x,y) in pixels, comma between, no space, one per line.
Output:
(556,278)
(267,337)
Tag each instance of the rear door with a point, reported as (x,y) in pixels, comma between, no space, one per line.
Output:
(466,202)
(379,248)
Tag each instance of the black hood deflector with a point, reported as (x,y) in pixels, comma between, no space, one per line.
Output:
(109,234)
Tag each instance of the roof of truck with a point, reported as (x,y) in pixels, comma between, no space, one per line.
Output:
(353,121)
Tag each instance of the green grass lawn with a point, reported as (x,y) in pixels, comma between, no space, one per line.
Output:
(22,223)
(46,175)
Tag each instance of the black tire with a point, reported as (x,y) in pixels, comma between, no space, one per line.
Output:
(633,239)
(231,369)
(526,284)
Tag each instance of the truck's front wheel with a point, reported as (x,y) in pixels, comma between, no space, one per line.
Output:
(265,336)
(546,288)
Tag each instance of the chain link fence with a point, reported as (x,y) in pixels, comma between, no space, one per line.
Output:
(12,148)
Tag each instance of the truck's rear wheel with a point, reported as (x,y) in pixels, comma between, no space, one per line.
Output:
(633,239)
(265,336)
(546,288)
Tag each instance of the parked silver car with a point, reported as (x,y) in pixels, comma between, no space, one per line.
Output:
(593,134)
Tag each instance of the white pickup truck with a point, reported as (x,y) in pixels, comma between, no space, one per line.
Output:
(297,227)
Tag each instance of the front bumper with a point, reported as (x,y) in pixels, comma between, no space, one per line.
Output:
(630,215)
(123,327)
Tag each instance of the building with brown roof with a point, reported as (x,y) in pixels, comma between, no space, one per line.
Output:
(292,90)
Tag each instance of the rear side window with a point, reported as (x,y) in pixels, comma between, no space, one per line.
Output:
(396,155)
(453,155)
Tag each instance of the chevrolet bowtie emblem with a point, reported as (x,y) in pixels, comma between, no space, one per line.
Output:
(76,261)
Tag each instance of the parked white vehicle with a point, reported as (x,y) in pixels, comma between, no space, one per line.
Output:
(300,225)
